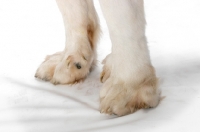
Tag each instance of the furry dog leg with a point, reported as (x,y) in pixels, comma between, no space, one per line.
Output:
(130,82)
(82,31)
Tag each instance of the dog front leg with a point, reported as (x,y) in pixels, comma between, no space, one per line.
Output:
(129,78)
(81,30)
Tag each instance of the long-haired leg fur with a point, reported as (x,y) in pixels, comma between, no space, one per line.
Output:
(129,78)
(130,82)
(79,56)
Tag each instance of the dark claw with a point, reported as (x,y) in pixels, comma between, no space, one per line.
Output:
(78,65)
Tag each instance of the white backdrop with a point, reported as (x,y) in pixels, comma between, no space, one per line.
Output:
(31,29)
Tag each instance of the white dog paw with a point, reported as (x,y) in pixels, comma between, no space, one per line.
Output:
(123,96)
(65,69)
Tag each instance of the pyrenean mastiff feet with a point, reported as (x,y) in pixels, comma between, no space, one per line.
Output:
(130,82)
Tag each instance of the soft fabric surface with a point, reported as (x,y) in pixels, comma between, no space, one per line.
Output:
(31,29)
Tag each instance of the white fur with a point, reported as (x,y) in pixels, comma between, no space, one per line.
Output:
(80,21)
(129,79)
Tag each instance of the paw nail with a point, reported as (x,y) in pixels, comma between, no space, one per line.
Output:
(78,65)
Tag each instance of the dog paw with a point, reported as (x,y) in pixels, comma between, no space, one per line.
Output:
(123,96)
(60,68)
